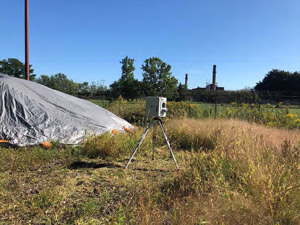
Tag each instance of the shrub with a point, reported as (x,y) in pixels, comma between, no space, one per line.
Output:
(132,111)
(183,109)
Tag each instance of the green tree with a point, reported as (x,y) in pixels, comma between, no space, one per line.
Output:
(59,82)
(182,92)
(126,86)
(15,68)
(158,79)
(84,89)
(93,88)
(127,68)
(280,81)
(45,80)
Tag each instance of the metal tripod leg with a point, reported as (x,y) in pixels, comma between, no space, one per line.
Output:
(168,143)
(139,144)
(153,138)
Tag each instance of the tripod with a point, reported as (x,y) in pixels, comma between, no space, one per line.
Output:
(154,137)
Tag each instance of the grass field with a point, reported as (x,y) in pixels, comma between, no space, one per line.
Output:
(232,172)
(295,109)
(223,107)
(269,115)
(100,102)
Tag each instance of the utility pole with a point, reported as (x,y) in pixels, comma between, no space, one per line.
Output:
(26,40)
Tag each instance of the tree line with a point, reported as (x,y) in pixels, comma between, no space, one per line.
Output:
(280,81)
(157,81)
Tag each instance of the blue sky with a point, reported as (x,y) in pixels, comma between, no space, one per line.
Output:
(87,39)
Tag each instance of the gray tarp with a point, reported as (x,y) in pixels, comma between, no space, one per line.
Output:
(31,113)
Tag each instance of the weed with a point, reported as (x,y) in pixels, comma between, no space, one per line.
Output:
(113,146)
(247,176)
(232,172)
(134,112)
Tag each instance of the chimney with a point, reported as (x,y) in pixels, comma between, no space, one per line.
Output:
(214,84)
(186,81)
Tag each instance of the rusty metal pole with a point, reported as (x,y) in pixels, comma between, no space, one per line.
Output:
(26,40)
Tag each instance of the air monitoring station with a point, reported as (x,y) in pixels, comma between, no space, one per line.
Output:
(156,108)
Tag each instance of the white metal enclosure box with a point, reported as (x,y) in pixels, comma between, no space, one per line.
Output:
(156,107)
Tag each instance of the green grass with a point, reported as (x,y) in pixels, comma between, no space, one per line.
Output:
(222,107)
(100,102)
(232,172)
(284,117)
(83,184)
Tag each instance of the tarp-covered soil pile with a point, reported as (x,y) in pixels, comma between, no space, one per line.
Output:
(31,113)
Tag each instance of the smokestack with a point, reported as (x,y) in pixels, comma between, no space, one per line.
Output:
(186,81)
(214,84)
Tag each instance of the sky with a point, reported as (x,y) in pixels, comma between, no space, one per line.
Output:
(86,40)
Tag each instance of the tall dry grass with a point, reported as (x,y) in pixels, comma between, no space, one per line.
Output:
(222,129)
(233,172)
(239,173)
